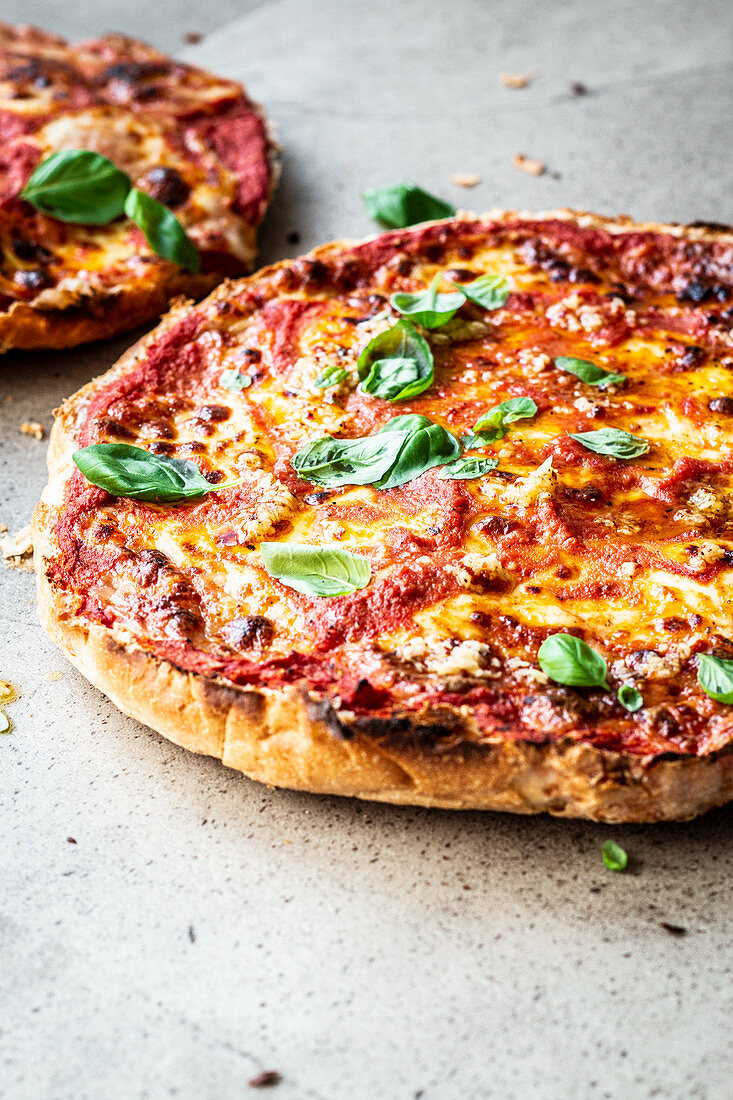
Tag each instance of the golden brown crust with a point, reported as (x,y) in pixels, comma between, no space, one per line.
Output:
(288,739)
(97,311)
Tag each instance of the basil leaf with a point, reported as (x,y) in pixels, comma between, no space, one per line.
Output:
(399,452)
(467,468)
(614,856)
(715,677)
(163,231)
(315,570)
(429,309)
(569,660)
(78,186)
(331,376)
(494,424)
(630,698)
(234,381)
(404,204)
(613,442)
(126,471)
(588,372)
(488,291)
(396,364)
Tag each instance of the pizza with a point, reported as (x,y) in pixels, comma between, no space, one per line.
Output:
(442,517)
(192,141)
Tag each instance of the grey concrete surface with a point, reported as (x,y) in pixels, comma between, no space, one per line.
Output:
(202,927)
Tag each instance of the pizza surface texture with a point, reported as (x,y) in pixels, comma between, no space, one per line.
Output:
(423,685)
(193,141)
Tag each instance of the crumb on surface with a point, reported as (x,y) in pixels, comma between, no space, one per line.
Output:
(578,88)
(517,80)
(466,179)
(193,37)
(266,1079)
(529,165)
(17,549)
(34,428)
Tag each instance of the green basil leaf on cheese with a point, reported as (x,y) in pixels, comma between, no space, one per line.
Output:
(404,204)
(488,291)
(429,308)
(612,442)
(78,186)
(403,449)
(614,856)
(163,231)
(331,376)
(495,423)
(588,372)
(315,570)
(397,364)
(569,660)
(467,468)
(715,676)
(630,698)
(126,471)
(234,381)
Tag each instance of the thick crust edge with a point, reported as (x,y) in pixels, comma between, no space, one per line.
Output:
(285,738)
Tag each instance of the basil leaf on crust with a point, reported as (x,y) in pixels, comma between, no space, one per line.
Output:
(405,204)
(77,185)
(488,291)
(715,676)
(404,448)
(569,660)
(429,308)
(494,424)
(396,364)
(316,570)
(133,472)
(467,468)
(588,372)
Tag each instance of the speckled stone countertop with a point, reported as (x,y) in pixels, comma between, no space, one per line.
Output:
(169,928)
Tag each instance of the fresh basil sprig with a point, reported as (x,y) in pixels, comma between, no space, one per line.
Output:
(404,448)
(126,471)
(614,856)
(569,660)
(488,291)
(404,204)
(315,570)
(612,442)
(467,468)
(163,231)
(234,381)
(331,376)
(396,364)
(588,372)
(715,677)
(429,308)
(630,698)
(78,186)
(495,423)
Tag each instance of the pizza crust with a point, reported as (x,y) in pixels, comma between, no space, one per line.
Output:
(287,738)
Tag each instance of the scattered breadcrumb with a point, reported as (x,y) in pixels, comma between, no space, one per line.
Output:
(265,1080)
(34,428)
(578,88)
(52,675)
(673,929)
(467,179)
(529,165)
(517,80)
(193,37)
(17,549)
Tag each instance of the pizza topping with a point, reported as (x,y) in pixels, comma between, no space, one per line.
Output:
(396,364)
(429,308)
(569,660)
(494,424)
(614,856)
(315,570)
(400,451)
(715,676)
(404,204)
(588,372)
(234,380)
(629,698)
(488,291)
(167,185)
(467,468)
(76,185)
(612,442)
(126,471)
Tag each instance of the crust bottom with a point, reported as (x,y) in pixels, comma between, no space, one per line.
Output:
(286,738)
